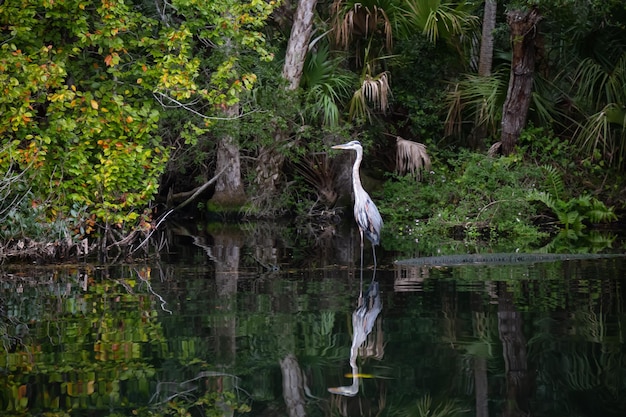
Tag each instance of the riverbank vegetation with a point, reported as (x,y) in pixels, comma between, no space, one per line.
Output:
(483,121)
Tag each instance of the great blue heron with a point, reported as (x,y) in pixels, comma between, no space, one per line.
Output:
(366,214)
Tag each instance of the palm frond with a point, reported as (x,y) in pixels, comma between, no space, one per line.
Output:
(316,170)
(439,18)
(377,91)
(411,158)
(600,92)
(604,132)
(359,110)
(327,86)
(477,99)
(363,19)
(373,95)
(426,407)
(590,77)
(543,197)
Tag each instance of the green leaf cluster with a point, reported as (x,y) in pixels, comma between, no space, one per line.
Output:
(476,198)
(572,213)
(79,122)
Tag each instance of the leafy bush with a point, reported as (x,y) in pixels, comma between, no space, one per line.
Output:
(478,198)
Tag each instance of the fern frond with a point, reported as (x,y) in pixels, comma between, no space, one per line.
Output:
(545,198)
(554,180)
(600,213)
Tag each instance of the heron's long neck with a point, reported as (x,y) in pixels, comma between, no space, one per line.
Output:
(356,176)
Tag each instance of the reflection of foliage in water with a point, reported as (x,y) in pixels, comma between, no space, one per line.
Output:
(427,407)
(435,333)
(77,339)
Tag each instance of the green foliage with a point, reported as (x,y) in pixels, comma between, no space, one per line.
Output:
(600,94)
(479,99)
(541,147)
(477,199)
(573,212)
(327,87)
(563,196)
(21,220)
(76,122)
(419,94)
(78,119)
(440,19)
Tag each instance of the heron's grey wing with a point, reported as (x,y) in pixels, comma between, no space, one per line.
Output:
(373,221)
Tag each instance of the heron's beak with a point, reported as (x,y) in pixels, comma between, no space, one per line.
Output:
(343,146)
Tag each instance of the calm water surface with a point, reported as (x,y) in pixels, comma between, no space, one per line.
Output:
(227,327)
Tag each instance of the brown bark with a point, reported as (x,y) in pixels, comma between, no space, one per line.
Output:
(229,189)
(523,25)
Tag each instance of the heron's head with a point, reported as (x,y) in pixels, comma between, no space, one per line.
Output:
(353,145)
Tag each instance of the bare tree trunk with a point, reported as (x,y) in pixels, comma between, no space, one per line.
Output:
(271,160)
(477,138)
(523,25)
(298,43)
(229,191)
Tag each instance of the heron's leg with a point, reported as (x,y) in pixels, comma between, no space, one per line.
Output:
(374,252)
(361,284)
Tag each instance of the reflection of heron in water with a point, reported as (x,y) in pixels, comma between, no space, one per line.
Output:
(365,212)
(363,319)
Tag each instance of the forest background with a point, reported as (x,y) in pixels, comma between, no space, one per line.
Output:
(500,122)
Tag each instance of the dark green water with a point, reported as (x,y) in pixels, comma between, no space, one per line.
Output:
(229,327)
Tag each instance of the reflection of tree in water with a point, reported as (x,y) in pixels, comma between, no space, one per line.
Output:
(86,338)
(519,381)
(542,341)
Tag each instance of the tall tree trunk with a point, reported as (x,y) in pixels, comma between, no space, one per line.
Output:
(523,25)
(271,160)
(486,42)
(229,191)
(477,138)
(298,43)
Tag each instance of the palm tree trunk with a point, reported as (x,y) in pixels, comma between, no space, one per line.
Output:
(523,25)
(486,42)
(477,138)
